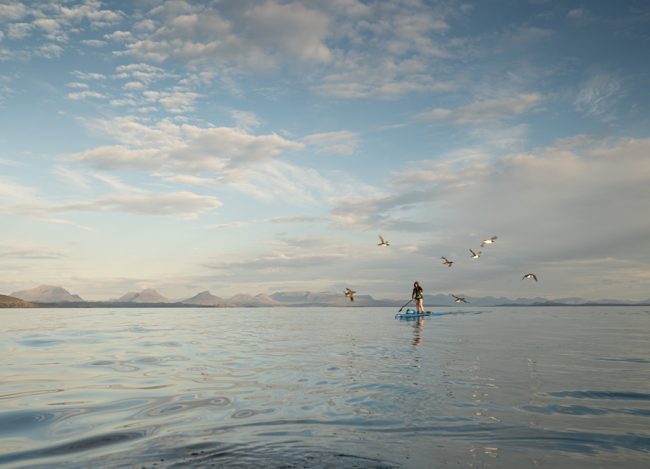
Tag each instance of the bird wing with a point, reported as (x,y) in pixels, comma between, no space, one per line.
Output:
(473,253)
(381,239)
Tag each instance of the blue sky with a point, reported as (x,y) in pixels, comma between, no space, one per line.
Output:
(258,146)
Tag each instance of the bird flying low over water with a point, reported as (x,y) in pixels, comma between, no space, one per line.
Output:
(459,299)
(446,261)
(383,242)
(533,276)
(350,294)
(490,240)
(475,255)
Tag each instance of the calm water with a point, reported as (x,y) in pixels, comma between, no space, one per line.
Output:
(330,387)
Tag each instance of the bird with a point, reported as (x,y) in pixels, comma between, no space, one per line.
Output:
(350,294)
(533,276)
(475,255)
(459,299)
(447,262)
(383,242)
(490,240)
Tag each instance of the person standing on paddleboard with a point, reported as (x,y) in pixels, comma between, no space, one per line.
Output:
(418,296)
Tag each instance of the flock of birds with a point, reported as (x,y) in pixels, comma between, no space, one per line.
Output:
(349,293)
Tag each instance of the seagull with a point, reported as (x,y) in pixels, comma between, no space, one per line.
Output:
(459,299)
(383,242)
(533,276)
(490,240)
(475,255)
(446,261)
(350,294)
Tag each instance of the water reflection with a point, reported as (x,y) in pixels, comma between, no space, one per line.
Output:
(417,329)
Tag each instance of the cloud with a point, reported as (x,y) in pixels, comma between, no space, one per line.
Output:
(551,203)
(118,36)
(486,110)
(72,177)
(27,251)
(89,76)
(181,149)
(18,31)
(299,219)
(355,78)
(12,11)
(245,120)
(599,96)
(141,72)
(183,204)
(85,95)
(293,27)
(260,37)
(93,42)
(276,263)
(176,101)
(227,226)
(342,142)
(49,51)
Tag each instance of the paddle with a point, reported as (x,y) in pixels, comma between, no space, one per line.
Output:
(400,310)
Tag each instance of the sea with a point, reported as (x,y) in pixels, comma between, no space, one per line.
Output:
(469,387)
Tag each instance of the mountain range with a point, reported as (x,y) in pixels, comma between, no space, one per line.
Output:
(48,295)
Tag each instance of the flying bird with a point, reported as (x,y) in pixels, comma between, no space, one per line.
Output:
(350,294)
(459,299)
(383,242)
(446,261)
(475,255)
(533,276)
(490,240)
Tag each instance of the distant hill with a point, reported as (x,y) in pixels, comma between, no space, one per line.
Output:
(306,298)
(243,300)
(47,294)
(205,298)
(12,302)
(145,296)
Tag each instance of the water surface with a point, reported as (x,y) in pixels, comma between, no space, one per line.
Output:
(325,387)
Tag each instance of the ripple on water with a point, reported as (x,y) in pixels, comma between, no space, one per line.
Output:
(599,395)
(74,446)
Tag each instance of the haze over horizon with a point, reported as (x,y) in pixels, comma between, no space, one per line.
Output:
(261,146)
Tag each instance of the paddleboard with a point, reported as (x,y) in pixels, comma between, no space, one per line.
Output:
(412,315)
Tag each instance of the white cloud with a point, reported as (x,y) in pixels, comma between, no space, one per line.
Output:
(299,219)
(227,226)
(49,51)
(72,177)
(260,37)
(342,142)
(299,30)
(486,110)
(183,204)
(19,30)
(93,42)
(90,11)
(12,11)
(118,36)
(182,148)
(77,85)
(598,96)
(28,251)
(88,75)
(134,85)
(85,95)
(141,72)
(245,120)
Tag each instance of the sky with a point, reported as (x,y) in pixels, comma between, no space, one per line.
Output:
(259,146)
